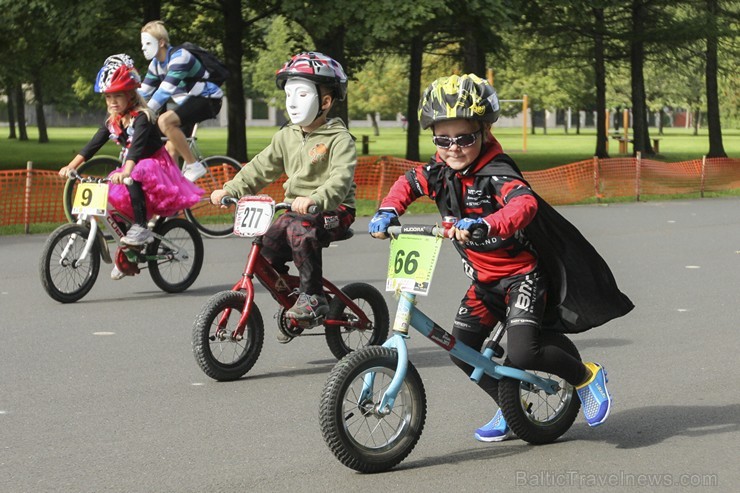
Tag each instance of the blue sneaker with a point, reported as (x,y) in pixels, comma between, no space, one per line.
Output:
(495,430)
(595,398)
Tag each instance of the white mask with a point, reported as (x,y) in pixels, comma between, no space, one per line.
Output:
(149,45)
(301,101)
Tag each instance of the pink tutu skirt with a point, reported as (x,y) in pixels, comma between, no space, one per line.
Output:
(167,191)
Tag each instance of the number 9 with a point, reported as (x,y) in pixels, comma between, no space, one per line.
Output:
(87,196)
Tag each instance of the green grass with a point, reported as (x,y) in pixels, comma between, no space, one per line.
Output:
(543,151)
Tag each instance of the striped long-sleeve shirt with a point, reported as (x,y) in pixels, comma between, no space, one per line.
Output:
(180,76)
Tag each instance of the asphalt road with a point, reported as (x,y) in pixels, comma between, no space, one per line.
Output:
(104,395)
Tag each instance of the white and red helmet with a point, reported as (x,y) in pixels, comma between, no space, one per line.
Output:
(317,68)
(118,74)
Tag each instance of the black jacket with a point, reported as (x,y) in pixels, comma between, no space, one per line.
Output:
(582,290)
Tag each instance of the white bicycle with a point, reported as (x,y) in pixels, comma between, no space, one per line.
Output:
(70,260)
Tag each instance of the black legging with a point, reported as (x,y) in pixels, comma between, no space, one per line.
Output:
(527,347)
(138,202)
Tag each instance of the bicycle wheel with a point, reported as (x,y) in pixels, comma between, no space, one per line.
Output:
(343,340)
(218,355)
(64,278)
(535,416)
(360,437)
(212,220)
(178,256)
(100,166)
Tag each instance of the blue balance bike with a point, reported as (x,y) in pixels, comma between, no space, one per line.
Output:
(373,405)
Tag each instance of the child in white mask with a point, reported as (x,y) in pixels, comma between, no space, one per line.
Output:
(319,157)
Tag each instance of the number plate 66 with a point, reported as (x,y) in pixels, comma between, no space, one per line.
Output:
(411,263)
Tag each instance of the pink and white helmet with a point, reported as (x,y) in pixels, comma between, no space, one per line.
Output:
(118,74)
(315,67)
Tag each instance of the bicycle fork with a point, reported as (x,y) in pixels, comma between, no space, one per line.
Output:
(407,315)
(88,245)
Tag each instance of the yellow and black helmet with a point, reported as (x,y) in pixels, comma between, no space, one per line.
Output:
(464,96)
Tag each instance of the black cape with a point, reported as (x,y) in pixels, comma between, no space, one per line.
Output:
(582,290)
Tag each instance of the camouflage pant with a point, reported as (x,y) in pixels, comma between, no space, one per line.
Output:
(300,238)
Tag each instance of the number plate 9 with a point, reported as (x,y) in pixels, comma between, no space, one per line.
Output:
(253,215)
(91,199)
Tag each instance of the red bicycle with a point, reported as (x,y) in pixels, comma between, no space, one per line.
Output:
(229,331)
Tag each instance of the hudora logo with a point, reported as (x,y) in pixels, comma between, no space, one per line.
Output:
(575,479)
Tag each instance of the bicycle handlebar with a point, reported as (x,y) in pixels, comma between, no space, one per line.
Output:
(74,175)
(417,229)
(280,206)
(476,233)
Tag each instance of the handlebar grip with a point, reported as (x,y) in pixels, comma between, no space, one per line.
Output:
(415,229)
(478,232)
(228,200)
(285,206)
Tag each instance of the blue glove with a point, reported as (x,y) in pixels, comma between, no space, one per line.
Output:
(381,220)
(467,223)
(473,225)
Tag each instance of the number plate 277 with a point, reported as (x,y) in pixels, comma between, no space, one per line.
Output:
(253,215)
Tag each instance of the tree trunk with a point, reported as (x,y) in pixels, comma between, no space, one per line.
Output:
(20,105)
(661,114)
(544,122)
(716,147)
(473,54)
(600,76)
(374,120)
(697,120)
(11,111)
(412,105)
(40,118)
(236,140)
(333,45)
(637,60)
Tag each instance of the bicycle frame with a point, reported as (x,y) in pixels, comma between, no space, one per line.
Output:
(112,227)
(258,266)
(409,315)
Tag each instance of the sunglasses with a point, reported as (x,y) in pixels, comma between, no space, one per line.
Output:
(465,140)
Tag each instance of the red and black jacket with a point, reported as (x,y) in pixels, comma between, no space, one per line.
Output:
(582,291)
(505,203)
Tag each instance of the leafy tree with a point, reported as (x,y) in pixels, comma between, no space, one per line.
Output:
(559,33)
(379,87)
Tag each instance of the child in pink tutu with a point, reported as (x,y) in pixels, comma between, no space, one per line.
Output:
(158,186)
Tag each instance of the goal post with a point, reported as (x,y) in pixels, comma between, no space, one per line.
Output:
(525,112)
(525,106)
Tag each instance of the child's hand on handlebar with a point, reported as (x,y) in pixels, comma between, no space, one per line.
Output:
(468,229)
(64,172)
(380,222)
(217,196)
(301,205)
(119,177)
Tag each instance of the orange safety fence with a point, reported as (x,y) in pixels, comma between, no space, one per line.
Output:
(35,196)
